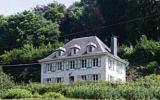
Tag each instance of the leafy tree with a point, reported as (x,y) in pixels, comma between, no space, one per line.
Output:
(80,18)
(24,55)
(29,28)
(53,11)
(149,23)
(5,81)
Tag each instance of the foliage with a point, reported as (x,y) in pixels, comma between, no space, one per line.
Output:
(143,88)
(43,88)
(29,28)
(80,18)
(53,11)
(36,95)
(26,54)
(16,94)
(5,81)
(53,95)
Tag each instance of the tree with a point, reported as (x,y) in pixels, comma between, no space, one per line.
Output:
(29,28)
(80,18)
(53,11)
(5,81)
(24,55)
(148,24)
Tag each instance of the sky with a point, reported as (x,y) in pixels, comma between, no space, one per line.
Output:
(8,7)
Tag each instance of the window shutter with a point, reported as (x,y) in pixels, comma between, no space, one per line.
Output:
(62,65)
(99,62)
(79,77)
(79,64)
(62,79)
(99,76)
(52,68)
(67,65)
(91,62)
(89,77)
(88,61)
(53,80)
(44,68)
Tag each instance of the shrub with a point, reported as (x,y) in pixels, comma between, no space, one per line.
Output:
(92,92)
(36,95)
(53,95)
(43,88)
(134,92)
(16,94)
(6,82)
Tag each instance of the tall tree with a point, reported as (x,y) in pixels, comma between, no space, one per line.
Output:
(79,18)
(53,11)
(30,28)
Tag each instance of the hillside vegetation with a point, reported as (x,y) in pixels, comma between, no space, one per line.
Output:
(31,35)
(150,90)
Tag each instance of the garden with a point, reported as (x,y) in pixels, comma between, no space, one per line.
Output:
(143,88)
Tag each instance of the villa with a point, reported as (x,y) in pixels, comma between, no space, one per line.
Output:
(86,58)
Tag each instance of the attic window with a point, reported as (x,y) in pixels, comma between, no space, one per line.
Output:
(59,51)
(75,49)
(91,47)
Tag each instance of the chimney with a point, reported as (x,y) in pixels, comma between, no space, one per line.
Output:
(114,45)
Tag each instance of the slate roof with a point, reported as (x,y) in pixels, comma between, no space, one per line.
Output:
(83,43)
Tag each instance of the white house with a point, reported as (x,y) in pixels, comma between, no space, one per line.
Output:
(86,58)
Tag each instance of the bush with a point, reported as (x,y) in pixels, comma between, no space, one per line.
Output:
(92,92)
(36,95)
(43,88)
(53,95)
(16,94)
(5,81)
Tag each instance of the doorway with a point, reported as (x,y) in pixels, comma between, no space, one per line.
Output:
(71,79)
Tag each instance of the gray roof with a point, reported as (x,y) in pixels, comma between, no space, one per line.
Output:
(83,43)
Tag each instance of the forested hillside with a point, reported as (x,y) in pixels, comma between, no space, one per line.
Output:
(31,35)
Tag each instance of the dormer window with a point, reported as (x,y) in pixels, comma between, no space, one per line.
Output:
(75,49)
(91,47)
(59,51)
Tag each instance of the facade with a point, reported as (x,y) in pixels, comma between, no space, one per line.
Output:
(85,58)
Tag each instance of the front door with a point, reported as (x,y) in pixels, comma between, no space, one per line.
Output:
(71,79)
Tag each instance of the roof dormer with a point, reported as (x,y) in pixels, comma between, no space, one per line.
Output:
(91,47)
(59,52)
(75,49)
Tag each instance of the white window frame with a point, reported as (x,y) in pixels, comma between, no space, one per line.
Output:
(84,63)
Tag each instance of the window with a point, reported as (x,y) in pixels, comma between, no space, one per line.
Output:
(48,80)
(90,49)
(72,64)
(74,51)
(83,77)
(59,53)
(119,67)
(95,62)
(59,79)
(111,78)
(84,63)
(111,64)
(95,76)
(59,65)
(119,80)
(49,67)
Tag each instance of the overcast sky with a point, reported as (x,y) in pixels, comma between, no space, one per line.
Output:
(8,7)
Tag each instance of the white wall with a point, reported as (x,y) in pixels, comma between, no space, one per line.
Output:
(103,70)
(113,72)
